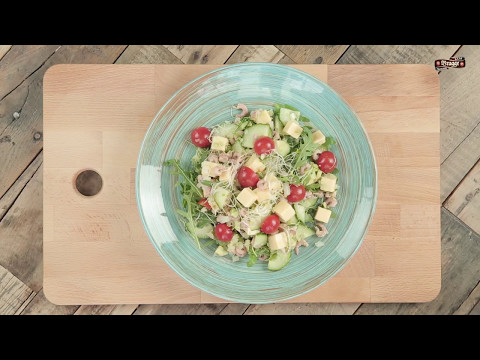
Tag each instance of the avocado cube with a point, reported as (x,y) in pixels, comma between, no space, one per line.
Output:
(263,117)
(219,143)
(277,241)
(328,182)
(255,164)
(262,195)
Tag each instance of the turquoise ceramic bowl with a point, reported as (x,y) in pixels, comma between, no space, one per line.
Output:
(207,101)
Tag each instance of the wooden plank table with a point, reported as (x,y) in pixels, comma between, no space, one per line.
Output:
(21,157)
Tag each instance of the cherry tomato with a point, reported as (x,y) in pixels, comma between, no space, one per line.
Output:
(263,145)
(247,177)
(327,162)
(297,193)
(204,203)
(270,224)
(223,232)
(200,137)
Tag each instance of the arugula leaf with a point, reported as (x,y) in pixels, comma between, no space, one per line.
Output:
(252,260)
(314,186)
(329,141)
(335,171)
(306,148)
(278,106)
(207,182)
(333,215)
(188,175)
(199,157)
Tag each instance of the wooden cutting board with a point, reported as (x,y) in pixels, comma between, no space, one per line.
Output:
(96,250)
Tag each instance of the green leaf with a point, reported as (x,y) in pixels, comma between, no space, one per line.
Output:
(252,260)
(335,171)
(207,182)
(333,215)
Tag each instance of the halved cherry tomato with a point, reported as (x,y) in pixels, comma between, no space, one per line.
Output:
(270,224)
(297,193)
(264,145)
(200,137)
(223,232)
(327,162)
(204,203)
(247,177)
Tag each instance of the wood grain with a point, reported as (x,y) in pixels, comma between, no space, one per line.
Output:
(460,89)
(12,194)
(13,292)
(147,54)
(82,260)
(313,54)
(302,309)
(202,54)
(470,302)
(21,140)
(465,200)
(396,54)
(106,310)
(460,274)
(259,53)
(185,309)
(3,50)
(21,234)
(39,305)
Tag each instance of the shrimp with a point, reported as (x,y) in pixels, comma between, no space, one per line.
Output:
(244,109)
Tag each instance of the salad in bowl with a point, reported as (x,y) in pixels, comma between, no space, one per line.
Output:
(261,185)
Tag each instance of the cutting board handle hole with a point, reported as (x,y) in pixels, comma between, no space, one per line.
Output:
(88,182)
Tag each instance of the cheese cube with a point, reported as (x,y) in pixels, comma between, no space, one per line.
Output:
(284,210)
(293,129)
(323,215)
(207,168)
(247,197)
(255,164)
(263,117)
(220,251)
(273,183)
(262,195)
(252,232)
(328,182)
(225,175)
(318,137)
(219,143)
(277,241)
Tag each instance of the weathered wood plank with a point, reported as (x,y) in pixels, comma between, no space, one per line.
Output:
(303,309)
(147,54)
(127,309)
(396,54)
(4,49)
(460,105)
(20,62)
(460,273)
(286,60)
(180,309)
(234,309)
(465,200)
(475,310)
(13,292)
(459,162)
(202,54)
(259,53)
(21,140)
(40,305)
(21,233)
(313,54)
(470,303)
(12,194)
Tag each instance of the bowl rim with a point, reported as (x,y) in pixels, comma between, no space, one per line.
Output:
(302,73)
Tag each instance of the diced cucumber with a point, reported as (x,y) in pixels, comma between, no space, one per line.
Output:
(221,195)
(278,125)
(260,240)
(308,203)
(255,222)
(237,146)
(292,221)
(300,212)
(226,130)
(302,232)
(279,260)
(203,232)
(286,115)
(282,147)
(254,132)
